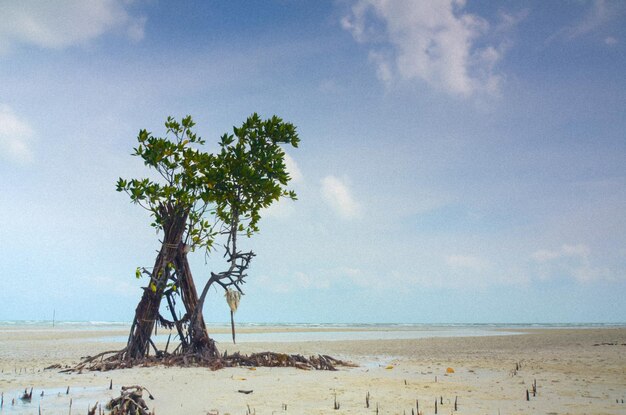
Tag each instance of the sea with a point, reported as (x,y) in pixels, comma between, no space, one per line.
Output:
(298,332)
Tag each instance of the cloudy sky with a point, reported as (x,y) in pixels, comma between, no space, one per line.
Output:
(460,161)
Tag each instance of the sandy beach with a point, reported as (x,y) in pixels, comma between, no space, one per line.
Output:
(577,371)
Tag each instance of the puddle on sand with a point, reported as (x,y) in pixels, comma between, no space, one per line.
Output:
(55,400)
(374,362)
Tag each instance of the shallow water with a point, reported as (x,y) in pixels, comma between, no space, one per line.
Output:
(55,400)
(309,336)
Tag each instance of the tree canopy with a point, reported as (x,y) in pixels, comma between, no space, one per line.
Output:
(232,186)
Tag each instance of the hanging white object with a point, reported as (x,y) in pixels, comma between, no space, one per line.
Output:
(232,298)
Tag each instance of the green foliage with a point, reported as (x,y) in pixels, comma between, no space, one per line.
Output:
(251,171)
(231,187)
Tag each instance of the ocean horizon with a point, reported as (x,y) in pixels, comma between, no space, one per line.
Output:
(248,332)
(99,323)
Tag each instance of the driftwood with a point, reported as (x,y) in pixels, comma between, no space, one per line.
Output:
(115,360)
(130,402)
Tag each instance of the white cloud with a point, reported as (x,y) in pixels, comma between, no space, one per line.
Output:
(293,169)
(294,282)
(63,23)
(470,262)
(136,29)
(599,15)
(119,286)
(15,137)
(338,195)
(429,40)
(306,281)
(384,71)
(349,271)
(508,21)
(565,251)
(586,273)
(573,261)
(610,40)
(330,86)
(284,207)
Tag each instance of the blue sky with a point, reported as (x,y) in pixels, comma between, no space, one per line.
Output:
(460,161)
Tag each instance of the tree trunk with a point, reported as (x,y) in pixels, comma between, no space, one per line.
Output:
(147,311)
(199,340)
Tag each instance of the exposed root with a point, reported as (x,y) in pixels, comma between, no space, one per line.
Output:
(116,360)
(101,363)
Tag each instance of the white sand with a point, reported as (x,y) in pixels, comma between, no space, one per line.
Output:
(573,376)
